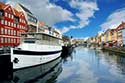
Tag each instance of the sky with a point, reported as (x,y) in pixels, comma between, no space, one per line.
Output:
(77,18)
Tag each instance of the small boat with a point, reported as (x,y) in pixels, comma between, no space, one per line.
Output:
(35,49)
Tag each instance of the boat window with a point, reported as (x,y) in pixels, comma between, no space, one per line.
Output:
(29,41)
(49,40)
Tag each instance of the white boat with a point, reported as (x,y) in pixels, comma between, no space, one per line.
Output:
(35,49)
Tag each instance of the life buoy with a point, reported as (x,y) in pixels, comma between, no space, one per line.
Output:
(16,60)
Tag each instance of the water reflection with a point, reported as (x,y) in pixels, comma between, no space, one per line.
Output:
(66,56)
(82,65)
(46,73)
(112,66)
(93,66)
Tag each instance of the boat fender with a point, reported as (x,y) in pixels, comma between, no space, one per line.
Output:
(16,60)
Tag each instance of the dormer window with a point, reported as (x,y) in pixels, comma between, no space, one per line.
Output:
(16,19)
(1,13)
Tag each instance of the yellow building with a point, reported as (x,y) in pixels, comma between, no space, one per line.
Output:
(103,37)
(114,35)
(110,37)
(98,38)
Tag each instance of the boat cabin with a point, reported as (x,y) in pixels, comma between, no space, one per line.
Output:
(40,38)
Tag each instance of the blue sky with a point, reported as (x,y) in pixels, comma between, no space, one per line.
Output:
(77,18)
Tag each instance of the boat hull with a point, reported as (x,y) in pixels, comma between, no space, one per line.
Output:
(24,59)
(36,73)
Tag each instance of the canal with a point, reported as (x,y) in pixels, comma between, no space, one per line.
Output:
(93,66)
(84,65)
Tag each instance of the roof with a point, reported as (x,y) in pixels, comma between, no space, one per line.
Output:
(122,25)
(17,13)
(3,6)
(25,9)
(112,30)
(41,23)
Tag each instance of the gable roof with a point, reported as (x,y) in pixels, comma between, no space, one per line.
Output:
(3,6)
(24,8)
(17,13)
(121,26)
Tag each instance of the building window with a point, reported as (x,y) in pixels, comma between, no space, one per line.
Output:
(2,21)
(5,14)
(1,13)
(5,40)
(9,32)
(12,24)
(5,22)
(16,19)
(12,32)
(8,40)
(9,9)
(23,21)
(5,31)
(21,27)
(2,30)
(8,23)
(17,25)
(9,15)
(2,40)
(20,20)
(14,40)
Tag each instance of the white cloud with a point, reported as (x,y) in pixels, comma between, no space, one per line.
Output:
(86,38)
(114,19)
(69,71)
(65,29)
(46,11)
(87,10)
(51,13)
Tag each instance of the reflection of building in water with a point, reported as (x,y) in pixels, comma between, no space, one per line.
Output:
(42,73)
(121,64)
(116,61)
(67,53)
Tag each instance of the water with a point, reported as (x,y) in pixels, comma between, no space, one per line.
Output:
(82,66)
(93,66)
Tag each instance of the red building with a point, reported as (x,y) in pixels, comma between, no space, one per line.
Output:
(12,24)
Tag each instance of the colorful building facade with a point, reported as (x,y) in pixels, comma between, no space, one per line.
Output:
(120,33)
(41,27)
(32,21)
(12,24)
